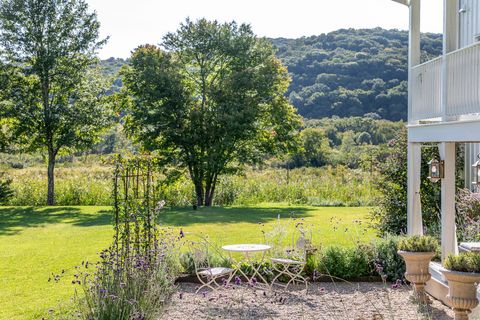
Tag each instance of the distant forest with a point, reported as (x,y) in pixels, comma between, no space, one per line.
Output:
(345,73)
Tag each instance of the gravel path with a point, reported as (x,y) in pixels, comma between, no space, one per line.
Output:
(358,301)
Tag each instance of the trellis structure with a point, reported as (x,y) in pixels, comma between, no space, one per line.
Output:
(136,206)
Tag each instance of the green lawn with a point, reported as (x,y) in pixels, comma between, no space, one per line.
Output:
(34,242)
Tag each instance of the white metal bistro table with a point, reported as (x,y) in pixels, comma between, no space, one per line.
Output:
(249,252)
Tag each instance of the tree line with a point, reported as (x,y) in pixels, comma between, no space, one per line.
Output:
(209,99)
(344,73)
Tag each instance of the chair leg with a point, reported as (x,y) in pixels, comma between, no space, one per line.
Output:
(280,273)
(206,284)
(297,275)
(292,275)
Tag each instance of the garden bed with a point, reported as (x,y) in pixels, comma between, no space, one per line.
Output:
(353,301)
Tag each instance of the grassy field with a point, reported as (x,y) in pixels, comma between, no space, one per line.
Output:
(34,242)
(90,185)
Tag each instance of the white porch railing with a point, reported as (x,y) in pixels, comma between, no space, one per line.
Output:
(427,83)
(462,83)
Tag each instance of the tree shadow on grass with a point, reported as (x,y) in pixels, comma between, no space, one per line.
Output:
(14,219)
(220,215)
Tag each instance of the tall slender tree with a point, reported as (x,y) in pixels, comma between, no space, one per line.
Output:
(56,98)
(212,101)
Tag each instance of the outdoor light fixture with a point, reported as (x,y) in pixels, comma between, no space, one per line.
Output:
(435,170)
(476,172)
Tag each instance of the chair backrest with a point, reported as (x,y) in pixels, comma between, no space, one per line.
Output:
(200,255)
(301,247)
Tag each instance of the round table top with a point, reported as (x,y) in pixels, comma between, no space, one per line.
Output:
(246,247)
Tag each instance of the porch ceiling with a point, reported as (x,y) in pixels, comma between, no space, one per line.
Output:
(455,131)
(405,2)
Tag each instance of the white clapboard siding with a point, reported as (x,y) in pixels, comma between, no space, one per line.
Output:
(469,33)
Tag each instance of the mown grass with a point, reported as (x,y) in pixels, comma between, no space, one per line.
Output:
(34,242)
(91,185)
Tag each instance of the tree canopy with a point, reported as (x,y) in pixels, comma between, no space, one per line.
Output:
(346,72)
(212,101)
(53,95)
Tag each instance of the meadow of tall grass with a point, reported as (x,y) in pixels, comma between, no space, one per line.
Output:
(91,185)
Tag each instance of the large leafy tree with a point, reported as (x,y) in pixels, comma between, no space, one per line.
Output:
(54,95)
(212,101)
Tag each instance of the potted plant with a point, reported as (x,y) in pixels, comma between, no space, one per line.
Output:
(463,274)
(417,251)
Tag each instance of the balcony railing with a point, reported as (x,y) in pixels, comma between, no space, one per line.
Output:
(461,70)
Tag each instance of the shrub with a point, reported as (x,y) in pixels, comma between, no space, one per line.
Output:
(387,261)
(418,244)
(360,261)
(6,191)
(468,215)
(390,214)
(333,262)
(344,262)
(463,262)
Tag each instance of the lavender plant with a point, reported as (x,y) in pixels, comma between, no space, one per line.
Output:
(135,276)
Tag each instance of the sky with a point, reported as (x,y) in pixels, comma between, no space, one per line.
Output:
(130,23)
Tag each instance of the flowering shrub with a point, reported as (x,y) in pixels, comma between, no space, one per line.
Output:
(136,275)
(135,288)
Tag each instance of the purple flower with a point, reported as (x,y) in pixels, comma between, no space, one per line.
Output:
(397,284)
(103,293)
(182,234)
(238,281)
(224,282)
(254,281)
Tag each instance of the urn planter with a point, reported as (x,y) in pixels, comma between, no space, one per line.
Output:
(417,272)
(462,292)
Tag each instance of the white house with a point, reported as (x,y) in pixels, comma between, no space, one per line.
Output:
(443,109)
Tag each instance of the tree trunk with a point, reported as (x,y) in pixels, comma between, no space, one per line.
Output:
(199,193)
(51,178)
(210,191)
(209,199)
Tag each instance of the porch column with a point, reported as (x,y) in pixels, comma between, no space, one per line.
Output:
(413,50)
(449,235)
(414,206)
(450,43)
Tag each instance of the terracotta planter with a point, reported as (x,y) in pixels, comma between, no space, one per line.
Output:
(417,273)
(462,292)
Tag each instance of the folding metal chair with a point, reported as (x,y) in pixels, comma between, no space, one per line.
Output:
(292,266)
(206,273)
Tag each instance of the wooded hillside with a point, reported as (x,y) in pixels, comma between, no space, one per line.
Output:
(346,72)
(351,72)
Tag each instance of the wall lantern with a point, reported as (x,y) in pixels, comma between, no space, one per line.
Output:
(476,172)
(435,170)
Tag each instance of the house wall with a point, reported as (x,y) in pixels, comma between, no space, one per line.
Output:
(469,29)
(469,20)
